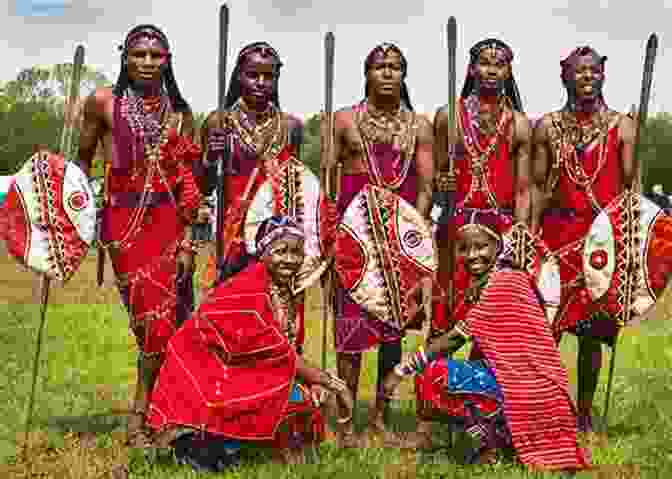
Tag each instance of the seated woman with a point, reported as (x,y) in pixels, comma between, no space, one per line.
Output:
(231,374)
(513,390)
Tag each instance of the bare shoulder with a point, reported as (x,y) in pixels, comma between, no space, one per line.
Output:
(543,126)
(523,127)
(344,118)
(293,121)
(212,120)
(425,127)
(99,101)
(626,126)
(441,115)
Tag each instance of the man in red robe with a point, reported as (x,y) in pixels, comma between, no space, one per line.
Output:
(259,134)
(491,161)
(384,142)
(232,374)
(145,127)
(583,161)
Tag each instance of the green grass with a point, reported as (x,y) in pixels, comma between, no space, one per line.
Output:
(87,372)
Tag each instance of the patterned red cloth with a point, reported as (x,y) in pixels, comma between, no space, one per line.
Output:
(144,240)
(234,219)
(509,327)
(564,232)
(229,370)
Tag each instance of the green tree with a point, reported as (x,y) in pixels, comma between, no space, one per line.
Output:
(310,154)
(656,152)
(32,108)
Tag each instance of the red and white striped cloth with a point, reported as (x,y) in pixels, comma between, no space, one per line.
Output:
(509,326)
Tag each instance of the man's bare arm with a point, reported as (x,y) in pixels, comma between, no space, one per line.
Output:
(425,166)
(523,169)
(330,162)
(207,179)
(93,129)
(441,134)
(541,160)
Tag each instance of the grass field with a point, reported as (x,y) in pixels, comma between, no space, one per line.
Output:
(87,371)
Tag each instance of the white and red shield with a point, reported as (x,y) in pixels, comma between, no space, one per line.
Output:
(290,189)
(627,256)
(531,253)
(384,250)
(49,216)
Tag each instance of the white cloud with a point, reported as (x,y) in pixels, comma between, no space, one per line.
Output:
(540,33)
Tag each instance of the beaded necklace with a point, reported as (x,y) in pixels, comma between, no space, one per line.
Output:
(477,154)
(397,130)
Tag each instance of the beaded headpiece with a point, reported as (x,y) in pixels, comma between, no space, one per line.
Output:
(384,49)
(273,229)
(568,65)
(234,91)
(167,75)
(502,51)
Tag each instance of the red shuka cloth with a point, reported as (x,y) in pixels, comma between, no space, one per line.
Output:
(234,220)
(245,397)
(564,234)
(148,259)
(510,329)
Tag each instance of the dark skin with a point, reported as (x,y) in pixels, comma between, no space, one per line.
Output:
(283,261)
(586,79)
(258,78)
(490,70)
(144,61)
(384,80)
(479,250)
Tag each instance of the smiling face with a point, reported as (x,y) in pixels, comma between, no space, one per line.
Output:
(258,79)
(587,77)
(479,250)
(492,68)
(284,258)
(385,74)
(146,56)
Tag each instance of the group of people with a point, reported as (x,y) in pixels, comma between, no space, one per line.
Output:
(233,371)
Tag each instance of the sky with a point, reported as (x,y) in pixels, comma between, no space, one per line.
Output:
(43,32)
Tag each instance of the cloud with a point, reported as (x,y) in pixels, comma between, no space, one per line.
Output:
(296,29)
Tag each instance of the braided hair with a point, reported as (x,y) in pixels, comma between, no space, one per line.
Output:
(384,48)
(168,81)
(234,91)
(509,86)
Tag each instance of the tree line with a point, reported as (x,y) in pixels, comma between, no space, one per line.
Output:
(34,109)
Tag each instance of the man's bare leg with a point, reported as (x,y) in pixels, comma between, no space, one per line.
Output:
(588,371)
(349,367)
(389,355)
(148,369)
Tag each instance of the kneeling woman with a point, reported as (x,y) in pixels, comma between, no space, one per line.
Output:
(513,390)
(232,375)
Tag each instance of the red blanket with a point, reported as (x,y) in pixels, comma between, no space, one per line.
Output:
(511,331)
(229,369)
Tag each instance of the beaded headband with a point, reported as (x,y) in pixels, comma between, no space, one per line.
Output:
(383,49)
(148,32)
(274,228)
(568,64)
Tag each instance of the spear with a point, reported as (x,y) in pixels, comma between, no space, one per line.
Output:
(327,181)
(64,148)
(645,95)
(225,156)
